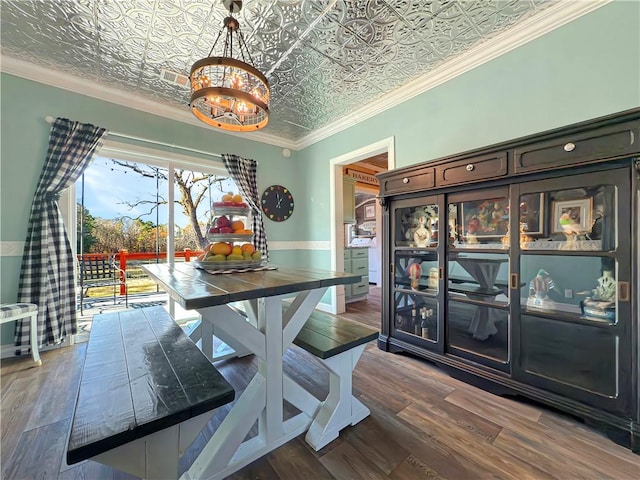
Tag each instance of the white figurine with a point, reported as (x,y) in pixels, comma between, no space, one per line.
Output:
(422,234)
(539,288)
(603,302)
(606,289)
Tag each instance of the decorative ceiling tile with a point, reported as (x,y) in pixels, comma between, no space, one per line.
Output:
(323,58)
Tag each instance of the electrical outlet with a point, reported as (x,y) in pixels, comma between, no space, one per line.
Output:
(568,293)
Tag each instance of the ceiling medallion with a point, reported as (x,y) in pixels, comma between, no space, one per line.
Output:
(226,92)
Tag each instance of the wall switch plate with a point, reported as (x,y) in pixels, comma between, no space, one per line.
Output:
(568,293)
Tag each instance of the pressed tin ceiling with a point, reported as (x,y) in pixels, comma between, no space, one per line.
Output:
(325,59)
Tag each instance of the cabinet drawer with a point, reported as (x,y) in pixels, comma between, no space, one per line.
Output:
(347,264)
(608,142)
(360,266)
(360,288)
(359,253)
(472,169)
(419,179)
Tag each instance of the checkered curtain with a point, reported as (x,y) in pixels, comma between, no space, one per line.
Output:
(243,172)
(48,273)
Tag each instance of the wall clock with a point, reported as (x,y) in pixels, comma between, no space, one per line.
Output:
(277,203)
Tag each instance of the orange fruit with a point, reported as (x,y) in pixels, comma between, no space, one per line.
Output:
(221,248)
(247,232)
(236,198)
(237,225)
(227,197)
(247,247)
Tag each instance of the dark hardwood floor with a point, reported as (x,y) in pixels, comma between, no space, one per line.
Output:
(423,425)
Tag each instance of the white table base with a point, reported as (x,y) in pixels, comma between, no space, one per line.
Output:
(262,400)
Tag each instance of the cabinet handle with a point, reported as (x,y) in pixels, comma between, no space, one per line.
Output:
(440,273)
(405,180)
(623,291)
(514,281)
(569,147)
(470,167)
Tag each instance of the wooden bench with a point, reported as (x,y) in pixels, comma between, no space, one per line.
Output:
(145,393)
(338,343)
(100,270)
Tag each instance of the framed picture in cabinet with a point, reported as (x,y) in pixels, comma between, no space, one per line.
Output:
(572,216)
(485,219)
(532,213)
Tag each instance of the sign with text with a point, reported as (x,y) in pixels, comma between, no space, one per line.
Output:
(362,177)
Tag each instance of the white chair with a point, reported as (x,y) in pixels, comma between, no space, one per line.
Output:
(16,311)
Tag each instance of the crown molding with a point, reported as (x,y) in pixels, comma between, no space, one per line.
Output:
(522,33)
(64,81)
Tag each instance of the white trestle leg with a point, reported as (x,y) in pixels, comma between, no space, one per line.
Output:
(340,408)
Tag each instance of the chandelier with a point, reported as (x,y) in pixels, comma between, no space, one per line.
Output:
(228,92)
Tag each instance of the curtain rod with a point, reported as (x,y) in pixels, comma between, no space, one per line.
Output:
(49,119)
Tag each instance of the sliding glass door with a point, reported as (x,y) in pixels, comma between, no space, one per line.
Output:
(144,206)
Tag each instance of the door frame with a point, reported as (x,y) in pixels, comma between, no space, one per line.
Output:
(337,202)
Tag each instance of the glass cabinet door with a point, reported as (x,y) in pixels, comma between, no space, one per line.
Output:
(574,274)
(568,263)
(477,319)
(415,233)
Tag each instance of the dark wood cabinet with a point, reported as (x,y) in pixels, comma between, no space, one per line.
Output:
(592,145)
(413,179)
(550,311)
(473,169)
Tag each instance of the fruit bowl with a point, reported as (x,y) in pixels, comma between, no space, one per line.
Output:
(227,265)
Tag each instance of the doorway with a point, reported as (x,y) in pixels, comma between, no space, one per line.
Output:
(338,240)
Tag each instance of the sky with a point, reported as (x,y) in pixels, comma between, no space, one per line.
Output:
(108,186)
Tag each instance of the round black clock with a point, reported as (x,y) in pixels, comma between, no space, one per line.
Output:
(277,203)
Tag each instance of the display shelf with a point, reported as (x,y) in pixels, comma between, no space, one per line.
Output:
(572,314)
(409,291)
(578,245)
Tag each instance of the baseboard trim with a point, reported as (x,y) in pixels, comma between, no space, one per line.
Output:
(9,350)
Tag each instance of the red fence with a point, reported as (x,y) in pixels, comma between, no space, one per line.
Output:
(123,255)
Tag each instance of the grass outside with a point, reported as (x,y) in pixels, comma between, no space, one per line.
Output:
(137,282)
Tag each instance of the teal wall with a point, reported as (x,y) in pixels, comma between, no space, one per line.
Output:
(585,69)
(25,134)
